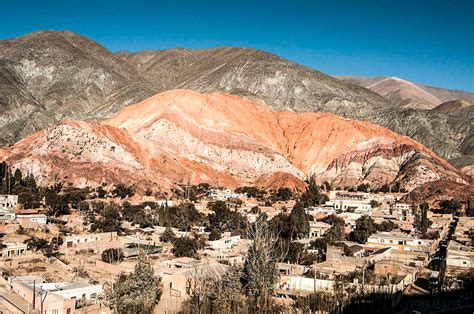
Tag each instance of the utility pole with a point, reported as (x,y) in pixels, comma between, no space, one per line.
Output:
(34,294)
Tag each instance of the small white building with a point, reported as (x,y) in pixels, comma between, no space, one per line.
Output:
(164,202)
(92,238)
(8,202)
(224,243)
(356,205)
(223,194)
(459,256)
(401,242)
(402,206)
(28,220)
(318,228)
(58,297)
(13,249)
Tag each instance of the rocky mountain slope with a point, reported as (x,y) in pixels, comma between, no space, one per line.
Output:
(49,76)
(281,84)
(183,136)
(406,94)
(452,106)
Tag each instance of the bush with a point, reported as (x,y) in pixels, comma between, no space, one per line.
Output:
(185,247)
(214,235)
(168,236)
(122,191)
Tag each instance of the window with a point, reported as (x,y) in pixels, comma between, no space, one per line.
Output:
(55,311)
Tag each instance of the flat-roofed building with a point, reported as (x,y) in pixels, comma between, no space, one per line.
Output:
(13,249)
(223,243)
(8,201)
(33,220)
(401,242)
(318,228)
(59,297)
(356,205)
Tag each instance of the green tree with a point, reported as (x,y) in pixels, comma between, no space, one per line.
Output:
(450,206)
(214,235)
(122,191)
(365,227)
(374,203)
(311,196)
(284,194)
(185,247)
(227,292)
(386,225)
(168,236)
(421,221)
(137,292)
(221,216)
(337,230)
(299,223)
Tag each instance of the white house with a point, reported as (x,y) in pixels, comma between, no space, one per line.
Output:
(402,206)
(164,202)
(58,297)
(8,201)
(459,256)
(318,228)
(359,205)
(401,242)
(223,194)
(12,249)
(26,220)
(223,243)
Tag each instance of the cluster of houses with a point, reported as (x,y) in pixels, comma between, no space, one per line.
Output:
(460,252)
(11,212)
(396,258)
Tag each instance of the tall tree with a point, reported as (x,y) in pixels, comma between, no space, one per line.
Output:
(312,196)
(260,273)
(337,230)
(299,223)
(365,227)
(421,222)
(137,292)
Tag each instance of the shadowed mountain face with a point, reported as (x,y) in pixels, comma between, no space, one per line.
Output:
(181,135)
(48,76)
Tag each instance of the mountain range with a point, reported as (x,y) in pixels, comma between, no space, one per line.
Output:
(406,94)
(182,136)
(49,76)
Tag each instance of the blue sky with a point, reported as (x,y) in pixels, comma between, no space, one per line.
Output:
(430,42)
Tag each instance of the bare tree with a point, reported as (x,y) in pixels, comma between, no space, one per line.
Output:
(260,274)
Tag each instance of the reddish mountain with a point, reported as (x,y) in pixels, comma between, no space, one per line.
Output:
(184,136)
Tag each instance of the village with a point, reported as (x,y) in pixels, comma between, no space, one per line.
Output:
(349,243)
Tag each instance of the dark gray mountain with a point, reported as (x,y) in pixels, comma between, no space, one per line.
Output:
(48,76)
(281,84)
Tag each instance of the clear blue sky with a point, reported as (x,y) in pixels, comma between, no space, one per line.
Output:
(430,42)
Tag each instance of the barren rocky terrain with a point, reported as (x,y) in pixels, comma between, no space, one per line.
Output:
(49,76)
(182,136)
